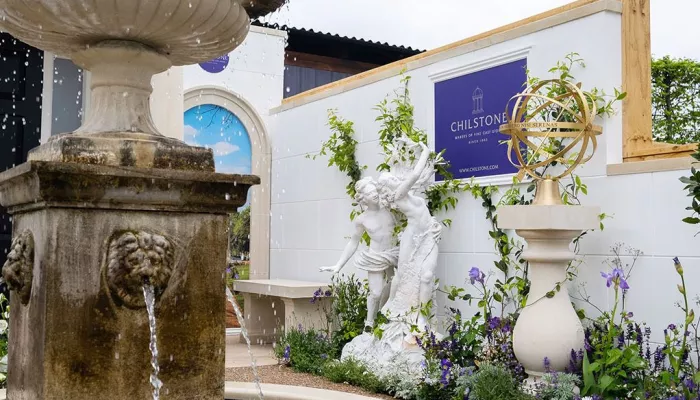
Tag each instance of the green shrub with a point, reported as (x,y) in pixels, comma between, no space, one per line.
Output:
(305,350)
(349,309)
(490,382)
(558,387)
(353,373)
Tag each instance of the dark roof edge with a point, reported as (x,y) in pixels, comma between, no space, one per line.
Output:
(408,50)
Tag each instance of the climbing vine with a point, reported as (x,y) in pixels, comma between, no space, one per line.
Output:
(397,121)
(693,187)
(342,145)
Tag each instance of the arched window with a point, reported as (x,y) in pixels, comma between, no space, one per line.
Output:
(215,127)
(232,115)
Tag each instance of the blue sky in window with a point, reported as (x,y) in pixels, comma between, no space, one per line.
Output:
(217,128)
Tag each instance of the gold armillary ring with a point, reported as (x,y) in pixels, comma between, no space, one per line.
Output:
(568,115)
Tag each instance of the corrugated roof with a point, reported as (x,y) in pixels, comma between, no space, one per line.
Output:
(290,29)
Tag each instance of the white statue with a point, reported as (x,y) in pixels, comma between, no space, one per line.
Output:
(414,284)
(381,258)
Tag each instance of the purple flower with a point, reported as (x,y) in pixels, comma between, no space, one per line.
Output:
(547,365)
(328,293)
(617,278)
(287,351)
(475,275)
(494,323)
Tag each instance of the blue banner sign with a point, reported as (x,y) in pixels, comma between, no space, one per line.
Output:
(468,112)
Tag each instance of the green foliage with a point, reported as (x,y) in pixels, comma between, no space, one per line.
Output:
(353,373)
(490,382)
(397,121)
(396,117)
(613,366)
(557,386)
(341,146)
(239,232)
(675,100)
(349,309)
(692,183)
(305,350)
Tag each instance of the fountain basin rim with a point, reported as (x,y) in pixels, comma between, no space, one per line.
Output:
(245,391)
(248,391)
(185,35)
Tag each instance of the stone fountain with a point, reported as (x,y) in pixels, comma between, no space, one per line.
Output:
(100,212)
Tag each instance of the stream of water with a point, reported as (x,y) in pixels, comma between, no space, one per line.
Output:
(150,297)
(244,331)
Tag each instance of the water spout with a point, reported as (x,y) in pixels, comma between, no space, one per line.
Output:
(244,331)
(150,297)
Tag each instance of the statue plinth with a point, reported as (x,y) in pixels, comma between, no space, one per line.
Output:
(86,236)
(547,327)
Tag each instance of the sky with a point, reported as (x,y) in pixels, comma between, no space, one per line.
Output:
(216,128)
(428,24)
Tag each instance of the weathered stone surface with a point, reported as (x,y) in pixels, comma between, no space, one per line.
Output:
(74,339)
(125,149)
(37,185)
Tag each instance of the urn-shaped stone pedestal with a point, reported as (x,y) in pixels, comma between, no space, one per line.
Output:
(86,238)
(547,327)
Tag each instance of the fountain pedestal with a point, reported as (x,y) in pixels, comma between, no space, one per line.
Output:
(86,236)
(547,327)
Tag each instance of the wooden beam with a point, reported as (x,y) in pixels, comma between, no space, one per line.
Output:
(636,77)
(325,63)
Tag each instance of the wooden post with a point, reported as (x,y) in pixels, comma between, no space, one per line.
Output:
(636,76)
(638,142)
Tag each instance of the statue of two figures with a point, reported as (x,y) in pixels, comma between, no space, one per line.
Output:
(401,277)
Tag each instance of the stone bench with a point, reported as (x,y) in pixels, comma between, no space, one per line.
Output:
(272,305)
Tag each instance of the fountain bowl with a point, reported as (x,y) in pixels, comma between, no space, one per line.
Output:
(184,31)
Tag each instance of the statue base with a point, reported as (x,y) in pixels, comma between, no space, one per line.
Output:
(396,352)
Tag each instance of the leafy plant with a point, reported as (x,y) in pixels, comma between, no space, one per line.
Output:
(611,365)
(675,100)
(239,232)
(557,386)
(693,188)
(353,373)
(490,382)
(349,310)
(340,147)
(397,122)
(305,350)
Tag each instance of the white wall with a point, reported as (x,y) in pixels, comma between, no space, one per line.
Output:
(167,102)
(310,207)
(255,71)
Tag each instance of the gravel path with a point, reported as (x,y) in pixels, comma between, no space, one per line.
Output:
(281,375)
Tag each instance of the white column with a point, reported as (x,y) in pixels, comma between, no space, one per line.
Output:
(547,327)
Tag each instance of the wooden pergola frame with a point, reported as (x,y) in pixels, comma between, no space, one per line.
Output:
(638,143)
